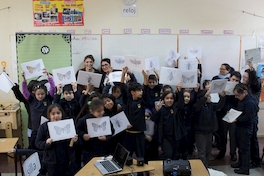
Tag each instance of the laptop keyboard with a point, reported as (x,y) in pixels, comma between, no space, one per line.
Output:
(108,166)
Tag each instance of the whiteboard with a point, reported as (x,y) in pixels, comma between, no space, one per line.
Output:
(140,45)
(216,49)
(83,45)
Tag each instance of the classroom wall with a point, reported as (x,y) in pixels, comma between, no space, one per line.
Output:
(152,14)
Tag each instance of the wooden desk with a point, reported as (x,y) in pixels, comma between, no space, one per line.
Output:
(7,143)
(197,167)
(91,170)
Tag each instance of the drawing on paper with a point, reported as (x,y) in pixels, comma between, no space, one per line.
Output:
(188,65)
(60,130)
(117,123)
(34,69)
(250,60)
(218,86)
(188,79)
(135,62)
(64,76)
(119,61)
(194,51)
(90,79)
(96,127)
(170,76)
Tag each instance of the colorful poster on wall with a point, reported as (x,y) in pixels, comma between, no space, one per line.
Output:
(58,13)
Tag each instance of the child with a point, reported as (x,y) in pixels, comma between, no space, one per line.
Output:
(111,108)
(134,138)
(205,122)
(57,155)
(170,126)
(92,147)
(152,89)
(70,102)
(39,101)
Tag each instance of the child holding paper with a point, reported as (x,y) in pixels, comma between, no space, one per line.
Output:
(92,147)
(58,155)
(39,100)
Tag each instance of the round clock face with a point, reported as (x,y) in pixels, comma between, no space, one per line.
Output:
(129,2)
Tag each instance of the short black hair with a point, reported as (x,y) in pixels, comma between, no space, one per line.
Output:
(95,104)
(115,88)
(152,77)
(236,74)
(206,82)
(240,88)
(134,86)
(227,66)
(166,87)
(67,87)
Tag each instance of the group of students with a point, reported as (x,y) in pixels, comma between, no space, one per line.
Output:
(182,118)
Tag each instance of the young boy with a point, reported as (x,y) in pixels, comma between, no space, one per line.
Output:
(134,137)
(70,102)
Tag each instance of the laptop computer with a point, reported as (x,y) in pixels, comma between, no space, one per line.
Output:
(116,164)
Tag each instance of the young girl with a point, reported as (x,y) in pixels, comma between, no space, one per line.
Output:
(39,100)
(170,125)
(111,108)
(92,147)
(57,155)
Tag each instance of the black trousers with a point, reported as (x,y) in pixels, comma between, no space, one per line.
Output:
(254,145)
(135,142)
(225,128)
(170,148)
(243,136)
(204,146)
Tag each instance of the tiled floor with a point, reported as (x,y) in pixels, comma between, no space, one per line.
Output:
(220,165)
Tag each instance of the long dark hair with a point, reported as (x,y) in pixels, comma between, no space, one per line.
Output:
(52,106)
(112,111)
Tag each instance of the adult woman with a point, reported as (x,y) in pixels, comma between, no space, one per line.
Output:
(244,127)
(88,66)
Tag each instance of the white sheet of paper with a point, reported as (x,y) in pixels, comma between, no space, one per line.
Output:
(32,165)
(120,122)
(152,63)
(6,83)
(214,97)
(232,115)
(115,76)
(189,79)
(33,68)
(149,128)
(218,86)
(170,76)
(253,55)
(43,120)
(230,87)
(216,172)
(193,52)
(135,63)
(188,65)
(64,75)
(88,77)
(171,57)
(62,129)
(98,126)
(118,62)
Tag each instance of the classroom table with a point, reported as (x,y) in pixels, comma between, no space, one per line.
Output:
(91,170)
(154,168)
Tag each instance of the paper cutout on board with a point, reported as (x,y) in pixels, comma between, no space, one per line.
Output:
(33,68)
(193,52)
(229,89)
(188,64)
(171,57)
(6,83)
(135,63)
(118,62)
(232,115)
(253,55)
(115,76)
(64,75)
(88,77)
(152,63)
(120,122)
(218,86)
(31,166)
(149,128)
(98,126)
(189,79)
(170,76)
(62,129)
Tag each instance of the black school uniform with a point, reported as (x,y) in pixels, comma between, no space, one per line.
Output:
(152,96)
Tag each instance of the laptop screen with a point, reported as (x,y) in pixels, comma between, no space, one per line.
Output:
(120,155)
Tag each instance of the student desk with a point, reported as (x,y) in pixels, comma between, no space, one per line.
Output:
(154,168)
(197,167)
(91,170)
